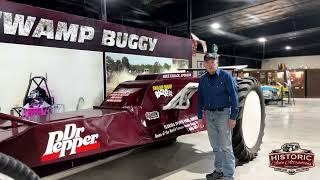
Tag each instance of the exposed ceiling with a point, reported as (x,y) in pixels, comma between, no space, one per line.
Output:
(281,22)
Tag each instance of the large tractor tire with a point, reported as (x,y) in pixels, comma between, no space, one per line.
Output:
(12,169)
(249,130)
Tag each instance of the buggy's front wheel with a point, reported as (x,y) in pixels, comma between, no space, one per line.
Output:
(12,169)
(249,130)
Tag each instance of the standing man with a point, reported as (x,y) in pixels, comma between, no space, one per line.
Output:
(218,97)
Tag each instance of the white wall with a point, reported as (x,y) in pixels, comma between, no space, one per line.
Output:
(71,74)
(195,59)
(296,62)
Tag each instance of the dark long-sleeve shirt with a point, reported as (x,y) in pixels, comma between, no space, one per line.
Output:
(218,91)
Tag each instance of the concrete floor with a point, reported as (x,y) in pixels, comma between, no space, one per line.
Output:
(191,157)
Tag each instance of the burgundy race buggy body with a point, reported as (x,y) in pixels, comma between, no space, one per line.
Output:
(151,108)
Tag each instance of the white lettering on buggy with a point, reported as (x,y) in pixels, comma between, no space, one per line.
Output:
(69,139)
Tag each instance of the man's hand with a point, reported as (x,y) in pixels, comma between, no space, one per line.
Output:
(200,123)
(231,123)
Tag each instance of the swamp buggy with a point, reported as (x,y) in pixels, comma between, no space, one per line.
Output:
(151,108)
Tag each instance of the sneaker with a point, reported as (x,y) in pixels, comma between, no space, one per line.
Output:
(215,175)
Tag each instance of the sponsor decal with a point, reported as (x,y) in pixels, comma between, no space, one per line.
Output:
(177,75)
(69,142)
(163,90)
(291,159)
(118,95)
(191,124)
(152,115)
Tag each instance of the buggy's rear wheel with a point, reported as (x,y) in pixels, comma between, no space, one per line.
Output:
(12,169)
(249,130)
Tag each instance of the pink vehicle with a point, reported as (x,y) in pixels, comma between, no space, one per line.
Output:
(37,102)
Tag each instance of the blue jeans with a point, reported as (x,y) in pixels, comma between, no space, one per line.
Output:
(220,136)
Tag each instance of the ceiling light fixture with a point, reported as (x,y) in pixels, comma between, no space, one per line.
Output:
(288,48)
(262,39)
(216,26)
